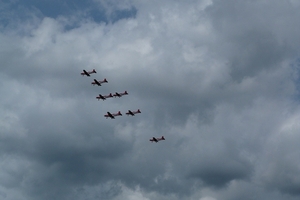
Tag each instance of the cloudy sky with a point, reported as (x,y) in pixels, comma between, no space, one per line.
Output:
(219,79)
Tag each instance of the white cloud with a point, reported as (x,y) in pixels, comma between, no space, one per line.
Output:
(213,77)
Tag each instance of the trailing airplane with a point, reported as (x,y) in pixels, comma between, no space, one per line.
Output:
(120,94)
(132,113)
(112,115)
(97,82)
(157,139)
(88,73)
(104,97)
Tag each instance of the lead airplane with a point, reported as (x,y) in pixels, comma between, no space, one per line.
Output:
(104,97)
(157,139)
(97,82)
(88,73)
(132,113)
(120,94)
(112,115)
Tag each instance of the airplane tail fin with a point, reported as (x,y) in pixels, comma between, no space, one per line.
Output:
(105,80)
(94,71)
(125,92)
(163,138)
(119,113)
(110,95)
(138,111)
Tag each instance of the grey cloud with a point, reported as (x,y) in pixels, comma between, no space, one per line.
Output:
(251,36)
(215,81)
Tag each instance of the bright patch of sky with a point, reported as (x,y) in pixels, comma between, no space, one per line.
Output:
(92,10)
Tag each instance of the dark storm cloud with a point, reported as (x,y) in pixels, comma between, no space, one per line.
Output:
(62,158)
(234,167)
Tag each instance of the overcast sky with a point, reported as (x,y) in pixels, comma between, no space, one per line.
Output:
(218,79)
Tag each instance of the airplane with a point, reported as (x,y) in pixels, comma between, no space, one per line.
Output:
(157,139)
(120,94)
(132,113)
(112,115)
(96,82)
(88,73)
(104,97)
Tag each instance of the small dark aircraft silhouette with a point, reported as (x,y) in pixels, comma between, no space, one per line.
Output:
(132,113)
(157,139)
(104,97)
(88,73)
(112,115)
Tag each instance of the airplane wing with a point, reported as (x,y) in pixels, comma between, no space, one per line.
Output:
(85,72)
(130,113)
(117,94)
(97,82)
(110,115)
(100,97)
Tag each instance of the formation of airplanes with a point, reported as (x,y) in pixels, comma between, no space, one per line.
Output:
(110,95)
(113,115)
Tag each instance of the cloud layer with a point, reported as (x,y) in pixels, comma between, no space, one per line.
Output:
(220,80)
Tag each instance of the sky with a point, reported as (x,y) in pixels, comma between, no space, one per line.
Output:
(218,79)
